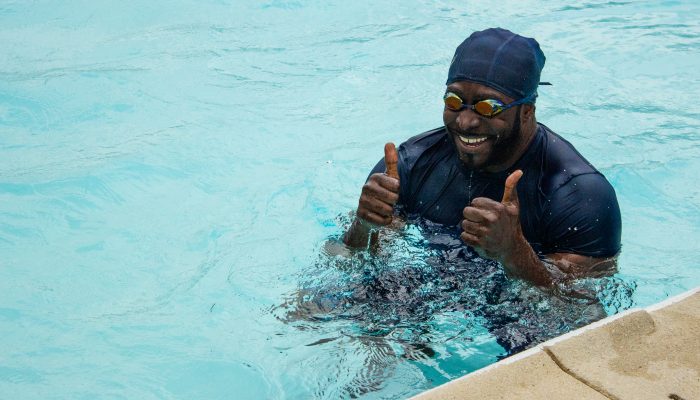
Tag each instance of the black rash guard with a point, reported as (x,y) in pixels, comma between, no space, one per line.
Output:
(566,205)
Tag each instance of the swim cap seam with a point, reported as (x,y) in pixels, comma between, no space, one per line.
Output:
(494,60)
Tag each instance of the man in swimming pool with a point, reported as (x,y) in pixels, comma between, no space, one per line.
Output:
(521,194)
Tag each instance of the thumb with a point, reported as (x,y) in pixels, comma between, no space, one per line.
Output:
(510,195)
(391,160)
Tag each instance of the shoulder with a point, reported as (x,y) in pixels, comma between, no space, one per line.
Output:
(581,214)
(561,163)
(414,148)
(584,218)
(568,179)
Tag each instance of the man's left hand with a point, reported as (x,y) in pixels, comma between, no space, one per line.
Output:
(493,228)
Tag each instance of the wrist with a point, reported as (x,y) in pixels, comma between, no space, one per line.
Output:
(358,233)
(518,250)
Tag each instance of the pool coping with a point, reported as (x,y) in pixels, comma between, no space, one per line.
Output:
(638,353)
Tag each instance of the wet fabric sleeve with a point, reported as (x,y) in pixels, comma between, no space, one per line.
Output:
(380,167)
(583,217)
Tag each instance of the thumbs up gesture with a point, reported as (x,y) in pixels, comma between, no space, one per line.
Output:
(377,200)
(493,228)
(381,191)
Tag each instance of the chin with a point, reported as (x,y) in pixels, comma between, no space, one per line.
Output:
(473,162)
(475,159)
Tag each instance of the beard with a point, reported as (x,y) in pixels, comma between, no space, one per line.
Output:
(505,145)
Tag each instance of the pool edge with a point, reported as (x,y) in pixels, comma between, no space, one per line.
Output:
(617,357)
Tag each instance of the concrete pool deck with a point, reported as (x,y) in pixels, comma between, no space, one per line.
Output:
(651,353)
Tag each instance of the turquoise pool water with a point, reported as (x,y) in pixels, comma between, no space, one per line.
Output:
(170,172)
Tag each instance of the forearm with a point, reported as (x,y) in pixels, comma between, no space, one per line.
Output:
(522,262)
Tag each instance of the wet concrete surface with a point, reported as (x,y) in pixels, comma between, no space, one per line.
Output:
(652,353)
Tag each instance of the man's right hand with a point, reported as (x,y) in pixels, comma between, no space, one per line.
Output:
(377,200)
(381,192)
(376,206)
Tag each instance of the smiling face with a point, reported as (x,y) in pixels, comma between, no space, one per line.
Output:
(491,144)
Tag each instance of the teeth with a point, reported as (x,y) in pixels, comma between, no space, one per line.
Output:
(472,140)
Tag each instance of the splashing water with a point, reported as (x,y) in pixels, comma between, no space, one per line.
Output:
(421,290)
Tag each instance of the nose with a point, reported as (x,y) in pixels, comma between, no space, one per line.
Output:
(467,120)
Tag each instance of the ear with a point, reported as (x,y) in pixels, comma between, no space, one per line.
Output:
(527,112)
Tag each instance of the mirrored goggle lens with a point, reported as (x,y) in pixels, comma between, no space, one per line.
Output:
(453,102)
(487,108)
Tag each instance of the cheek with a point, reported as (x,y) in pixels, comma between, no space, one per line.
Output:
(448,117)
(500,126)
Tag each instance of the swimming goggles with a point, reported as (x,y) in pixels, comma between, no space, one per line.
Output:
(488,108)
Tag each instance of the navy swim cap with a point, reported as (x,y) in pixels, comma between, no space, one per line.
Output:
(499,59)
